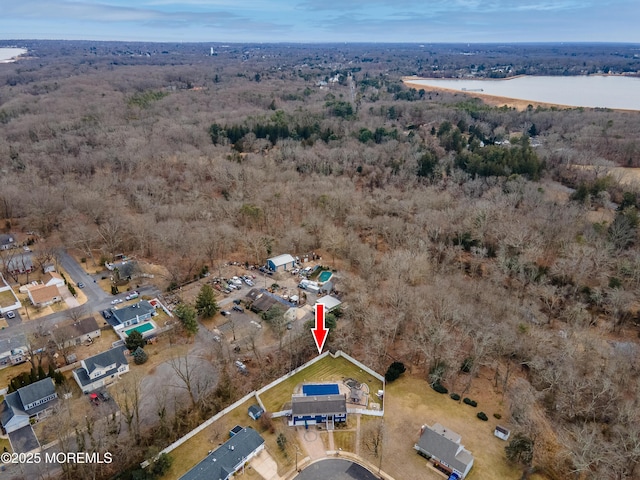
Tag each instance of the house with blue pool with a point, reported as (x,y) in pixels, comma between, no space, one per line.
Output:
(318,404)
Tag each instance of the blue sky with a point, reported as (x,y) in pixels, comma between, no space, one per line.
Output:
(323,20)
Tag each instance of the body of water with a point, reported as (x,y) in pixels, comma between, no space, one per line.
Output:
(8,53)
(597,91)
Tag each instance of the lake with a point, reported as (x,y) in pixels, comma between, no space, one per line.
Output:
(7,53)
(597,91)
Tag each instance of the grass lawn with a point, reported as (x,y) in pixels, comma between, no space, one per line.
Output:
(344,440)
(187,455)
(4,444)
(6,298)
(326,369)
(411,403)
(6,374)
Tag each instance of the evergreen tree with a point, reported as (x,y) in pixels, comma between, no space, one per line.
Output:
(140,356)
(134,340)
(206,304)
(187,315)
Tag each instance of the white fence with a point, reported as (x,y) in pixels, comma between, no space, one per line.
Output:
(204,425)
(292,373)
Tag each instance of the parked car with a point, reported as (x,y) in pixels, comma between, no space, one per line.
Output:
(116,301)
(132,295)
(80,285)
(225,313)
(237,301)
(289,326)
(237,281)
(104,396)
(238,308)
(106,314)
(10,315)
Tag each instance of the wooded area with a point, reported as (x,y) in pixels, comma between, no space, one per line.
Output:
(519,260)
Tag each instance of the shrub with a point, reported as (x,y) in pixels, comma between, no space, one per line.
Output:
(482,416)
(394,371)
(468,401)
(83,260)
(467,364)
(438,387)
(455,396)
(497,416)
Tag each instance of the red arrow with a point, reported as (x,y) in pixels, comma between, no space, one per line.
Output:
(320,332)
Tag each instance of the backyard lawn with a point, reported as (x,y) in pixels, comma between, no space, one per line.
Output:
(327,369)
(411,403)
(190,453)
(6,298)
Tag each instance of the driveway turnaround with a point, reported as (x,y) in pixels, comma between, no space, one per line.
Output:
(335,469)
(23,440)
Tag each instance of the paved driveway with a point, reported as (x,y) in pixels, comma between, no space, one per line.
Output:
(335,469)
(266,466)
(23,440)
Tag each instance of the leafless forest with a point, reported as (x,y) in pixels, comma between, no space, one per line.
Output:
(520,261)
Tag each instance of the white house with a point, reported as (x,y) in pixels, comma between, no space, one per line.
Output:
(101,369)
(43,295)
(329,302)
(52,278)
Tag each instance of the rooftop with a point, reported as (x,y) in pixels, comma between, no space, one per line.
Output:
(43,293)
(77,329)
(319,405)
(222,462)
(445,445)
(283,259)
(130,312)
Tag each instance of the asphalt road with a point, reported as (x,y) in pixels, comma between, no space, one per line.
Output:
(335,469)
(97,300)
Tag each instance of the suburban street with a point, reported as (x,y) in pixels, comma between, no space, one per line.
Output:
(97,300)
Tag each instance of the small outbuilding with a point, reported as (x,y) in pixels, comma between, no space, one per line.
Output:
(255,411)
(502,432)
(281,262)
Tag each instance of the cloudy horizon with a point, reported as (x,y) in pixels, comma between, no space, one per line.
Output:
(382,21)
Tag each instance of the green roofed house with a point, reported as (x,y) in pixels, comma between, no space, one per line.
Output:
(230,457)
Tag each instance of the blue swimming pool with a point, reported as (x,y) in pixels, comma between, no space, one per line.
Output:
(321,389)
(325,276)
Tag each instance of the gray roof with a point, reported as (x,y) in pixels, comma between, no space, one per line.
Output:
(320,405)
(10,406)
(36,391)
(8,344)
(14,403)
(20,262)
(7,239)
(440,442)
(221,463)
(255,409)
(129,313)
(77,329)
(101,360)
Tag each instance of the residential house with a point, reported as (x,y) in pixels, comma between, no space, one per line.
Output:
(31,401)
(259,301)
(133,314)
(43,295)
(53,278)
(76,333)
(101,369)
(17,264)
(442,447)
(230,457)
(318,409)
(13,350)
(7,241)
(281,262)
(330,303)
